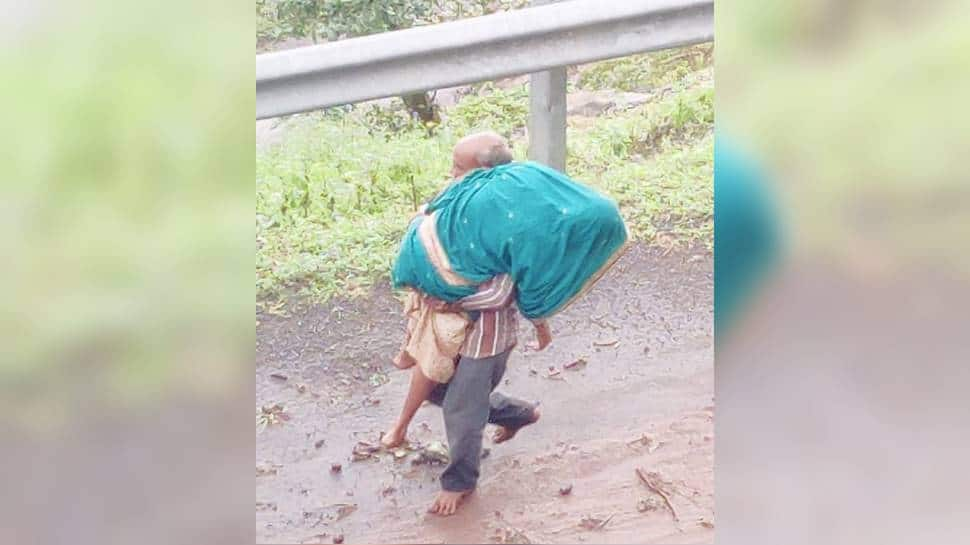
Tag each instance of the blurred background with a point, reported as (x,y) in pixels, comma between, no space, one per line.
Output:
(125,375)
(127,176)
(842,372)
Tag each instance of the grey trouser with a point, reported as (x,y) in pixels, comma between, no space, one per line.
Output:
(468,403)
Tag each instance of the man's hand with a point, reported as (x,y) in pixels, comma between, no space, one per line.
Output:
(543,335)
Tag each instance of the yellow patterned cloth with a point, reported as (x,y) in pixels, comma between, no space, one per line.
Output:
(432,339)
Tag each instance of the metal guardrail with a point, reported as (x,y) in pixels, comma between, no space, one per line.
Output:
(471,50)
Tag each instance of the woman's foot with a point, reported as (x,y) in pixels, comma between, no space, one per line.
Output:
(504,433)
(394,437)
(403,361)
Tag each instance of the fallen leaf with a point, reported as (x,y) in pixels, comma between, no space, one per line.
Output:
(336,468)
(706,523)
(271,415)
(266,469)
(607,342)
(338,538)
(319,443)
(363,451)
(279,376)
(344,510)
(593,523)
(566,490)
(578,364)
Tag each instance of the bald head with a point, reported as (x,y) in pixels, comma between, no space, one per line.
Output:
(480,150)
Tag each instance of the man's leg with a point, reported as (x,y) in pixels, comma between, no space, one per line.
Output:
(466,411)
(509,413)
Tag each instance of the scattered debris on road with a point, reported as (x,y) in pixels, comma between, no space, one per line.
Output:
(434,453)
(508,534)
(575,365)
(593,523)
(554,373)
(649,504)
(279,376)
(267,469)
(652,481)
(646,440)
(566,490)
(607,342)
(271,415)
(364,451)
(336,468)
(344,510)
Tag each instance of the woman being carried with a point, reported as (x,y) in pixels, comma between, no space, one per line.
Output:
(503,238)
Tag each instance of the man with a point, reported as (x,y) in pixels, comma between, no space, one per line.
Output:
(468,400)
(554,236)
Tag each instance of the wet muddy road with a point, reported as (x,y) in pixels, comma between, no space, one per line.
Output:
(643,399)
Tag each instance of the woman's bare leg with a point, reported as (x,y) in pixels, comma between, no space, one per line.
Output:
(418,392)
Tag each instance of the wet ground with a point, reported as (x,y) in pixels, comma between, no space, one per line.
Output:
(644,399)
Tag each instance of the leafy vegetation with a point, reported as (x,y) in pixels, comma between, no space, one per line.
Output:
(333,200)
(656,161)
(648,71)
(337,19)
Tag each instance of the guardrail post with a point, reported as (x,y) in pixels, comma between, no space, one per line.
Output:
(547,114)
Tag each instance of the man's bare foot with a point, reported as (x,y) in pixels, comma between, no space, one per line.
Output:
(503,433)
(447,502)
(394,437)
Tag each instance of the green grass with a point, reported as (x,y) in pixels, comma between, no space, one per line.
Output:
(647,71)
(657,162)
(334,198)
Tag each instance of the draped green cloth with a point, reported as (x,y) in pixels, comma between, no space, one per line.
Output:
(550,233)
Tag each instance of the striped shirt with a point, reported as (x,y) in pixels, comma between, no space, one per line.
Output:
(494,331)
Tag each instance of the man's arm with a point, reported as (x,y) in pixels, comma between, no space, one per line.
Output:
(498,293)
(492,295)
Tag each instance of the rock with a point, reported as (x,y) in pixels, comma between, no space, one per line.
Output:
(587,103)
(435,453)
(594,103)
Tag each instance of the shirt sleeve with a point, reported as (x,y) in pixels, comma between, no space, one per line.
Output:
(492,295)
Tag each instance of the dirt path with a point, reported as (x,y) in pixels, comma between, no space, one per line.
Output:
(655,383)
